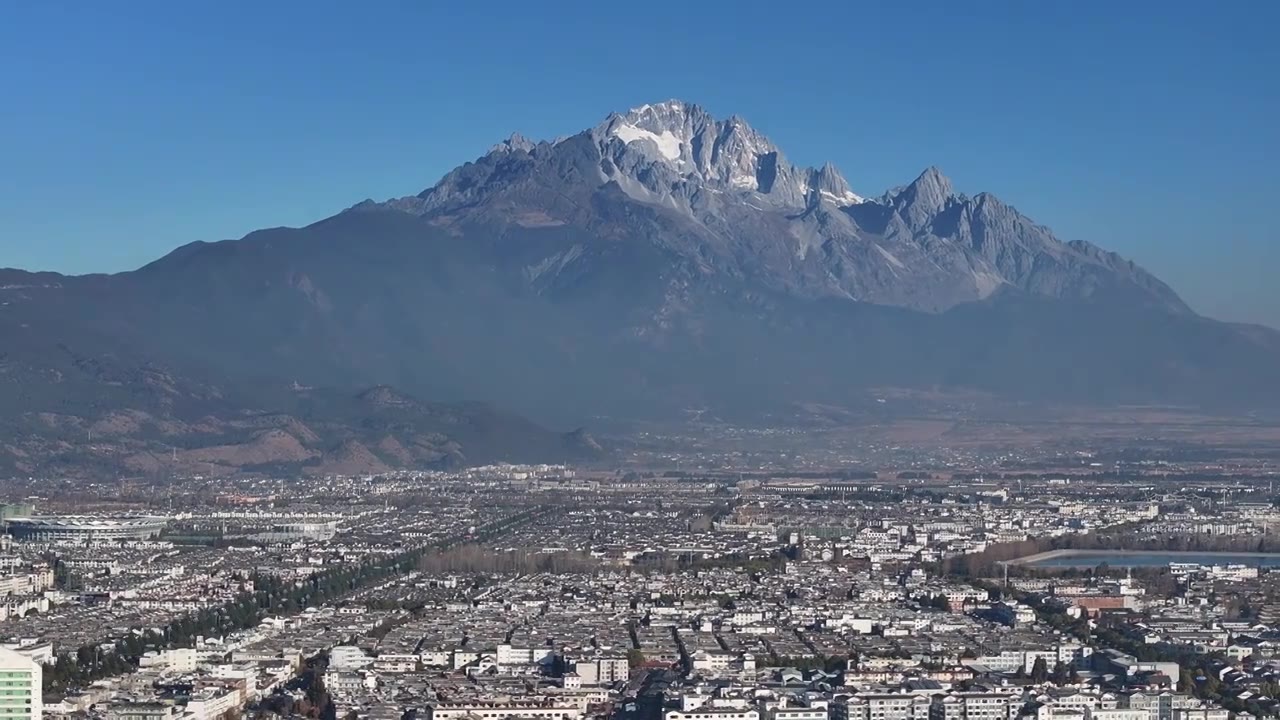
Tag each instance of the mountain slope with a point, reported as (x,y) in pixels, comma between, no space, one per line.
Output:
(78,400)
(102,416)
(661,260)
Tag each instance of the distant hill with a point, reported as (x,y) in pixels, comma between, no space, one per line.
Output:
(103,418)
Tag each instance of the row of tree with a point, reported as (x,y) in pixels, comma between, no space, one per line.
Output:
(270,596)
(474,558)
(1062,673)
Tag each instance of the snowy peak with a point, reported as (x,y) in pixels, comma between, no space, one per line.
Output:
(692,140)
(665,140)
(828,185)
(674,116)
(662,154)
(732,206)
(687,143)
(668,144)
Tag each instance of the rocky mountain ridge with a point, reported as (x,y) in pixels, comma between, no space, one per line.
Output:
(660,261)
(743,209)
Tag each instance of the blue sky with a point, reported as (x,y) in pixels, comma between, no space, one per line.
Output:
(1150,128)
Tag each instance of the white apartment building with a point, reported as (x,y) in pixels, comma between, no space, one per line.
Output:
(1072,652)
(1174,706)
(344,682)
(508,655)
(706,713)
(436,658)
(500,710)
(348,657)
(182,660)
(392,663)
(40,651)
(1203,713)
(712,660)
(463,658)
(21,685)
(141,711)
(213,703)
(17,606)
(1117,714)
(1030,657)
(602,671)
(974,706)
(890,706)
(1234,573)
(798,713)
(1073,704)
(32,583)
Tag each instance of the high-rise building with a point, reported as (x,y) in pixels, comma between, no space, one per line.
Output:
(20,686)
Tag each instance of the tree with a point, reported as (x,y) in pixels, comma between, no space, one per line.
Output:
(1040,670)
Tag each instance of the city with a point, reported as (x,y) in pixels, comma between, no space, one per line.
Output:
(569,593)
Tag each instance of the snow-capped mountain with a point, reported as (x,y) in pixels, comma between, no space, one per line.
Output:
(664,152)
(659,260)
(739,208)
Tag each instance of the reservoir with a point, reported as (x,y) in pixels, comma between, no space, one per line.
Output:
(1143,558)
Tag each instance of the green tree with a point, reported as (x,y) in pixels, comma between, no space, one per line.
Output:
(1040,670)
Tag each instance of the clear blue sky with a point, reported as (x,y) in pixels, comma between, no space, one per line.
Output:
(1151,128)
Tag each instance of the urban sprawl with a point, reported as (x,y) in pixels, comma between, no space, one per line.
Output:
(545,593)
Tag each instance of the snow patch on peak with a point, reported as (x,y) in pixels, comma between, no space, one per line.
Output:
(665,107)
(704,152)
(666,141)
(846,198)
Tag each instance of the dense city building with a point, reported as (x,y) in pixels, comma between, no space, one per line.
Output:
(545,592)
